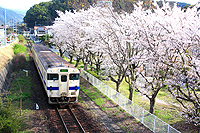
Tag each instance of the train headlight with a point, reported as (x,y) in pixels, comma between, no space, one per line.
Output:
(53,99)
(72,99)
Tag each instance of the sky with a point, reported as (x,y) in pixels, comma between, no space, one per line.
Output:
(20,4)
(26,4)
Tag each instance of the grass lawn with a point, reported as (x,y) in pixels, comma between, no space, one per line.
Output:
(164,108)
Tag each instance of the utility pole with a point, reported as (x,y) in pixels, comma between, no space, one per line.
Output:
(45,33)
(13,29)
(16,26)
(5,29)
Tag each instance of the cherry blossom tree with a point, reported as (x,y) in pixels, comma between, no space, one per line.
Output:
(173,42)
(165,38)
(183,60)
(148,35)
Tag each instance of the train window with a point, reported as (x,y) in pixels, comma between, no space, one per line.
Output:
(74,76)
(52,76)
(63,78)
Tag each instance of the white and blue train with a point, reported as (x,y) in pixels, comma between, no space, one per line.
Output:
(60,79)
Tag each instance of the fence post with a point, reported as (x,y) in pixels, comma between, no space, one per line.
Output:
(89,77)
(101,87)
(107,90)
(133,109)
(124,103)
(168,129)
(111,94)
(93,80)
(98,83)
(143,116)
(154,123)
(117,98)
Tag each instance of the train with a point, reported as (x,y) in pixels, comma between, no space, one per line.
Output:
(60,79)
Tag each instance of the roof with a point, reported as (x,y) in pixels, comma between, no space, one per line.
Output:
(2,27)
(49,58)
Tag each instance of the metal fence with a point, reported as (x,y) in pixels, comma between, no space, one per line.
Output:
(149,120)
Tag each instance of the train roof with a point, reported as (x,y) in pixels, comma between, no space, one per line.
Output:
(50,59)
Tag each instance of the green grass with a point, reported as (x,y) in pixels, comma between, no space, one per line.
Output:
(15,96)
(167,113)
(19,48)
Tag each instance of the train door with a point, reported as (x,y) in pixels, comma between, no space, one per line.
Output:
(63,84)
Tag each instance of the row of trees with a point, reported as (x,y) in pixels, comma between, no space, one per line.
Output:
(166,39)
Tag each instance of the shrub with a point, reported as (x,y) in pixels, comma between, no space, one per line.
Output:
(10,120)
(21,38)
(19,48)
(19,62)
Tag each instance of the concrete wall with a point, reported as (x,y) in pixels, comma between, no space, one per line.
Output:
(5,78)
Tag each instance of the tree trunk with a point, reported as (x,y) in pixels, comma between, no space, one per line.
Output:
(91,64)
(98,68)
(61,53)
(71,58)
(152,104)
(85,66)
(130,92)
(77,61)
(117,86)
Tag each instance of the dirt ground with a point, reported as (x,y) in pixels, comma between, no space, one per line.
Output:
(6,54)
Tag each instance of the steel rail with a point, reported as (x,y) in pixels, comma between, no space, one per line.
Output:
(79,124)
(62,120)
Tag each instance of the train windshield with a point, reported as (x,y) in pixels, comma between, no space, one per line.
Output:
(74,77)
(52,76)
(63,78)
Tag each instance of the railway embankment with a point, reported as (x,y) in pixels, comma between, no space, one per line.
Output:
(6,55)
(5,77)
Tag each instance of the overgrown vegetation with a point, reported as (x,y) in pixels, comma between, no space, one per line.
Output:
(19,48)
(11,109)
(10,119)
(19,60)
(21,38)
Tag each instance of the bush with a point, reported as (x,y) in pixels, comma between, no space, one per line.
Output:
(19,62)
(21,38)
(10,120)
(19,48)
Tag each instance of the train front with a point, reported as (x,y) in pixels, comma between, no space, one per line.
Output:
(63,85)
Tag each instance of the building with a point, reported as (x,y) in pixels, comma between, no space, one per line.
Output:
(2,35)
(39,31)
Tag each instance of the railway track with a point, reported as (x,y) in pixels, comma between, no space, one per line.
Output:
(52,118)
(69,120)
